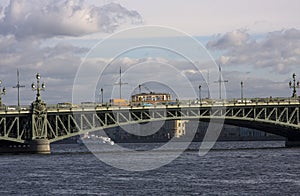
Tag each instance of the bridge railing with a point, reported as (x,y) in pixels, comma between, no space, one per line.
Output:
(182,103)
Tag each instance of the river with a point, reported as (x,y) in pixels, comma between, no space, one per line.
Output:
(231,168)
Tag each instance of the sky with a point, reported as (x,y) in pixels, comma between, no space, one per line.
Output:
(78,47)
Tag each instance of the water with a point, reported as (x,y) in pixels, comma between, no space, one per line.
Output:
(233,168)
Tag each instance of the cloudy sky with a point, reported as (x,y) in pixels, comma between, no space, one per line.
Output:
(257,42)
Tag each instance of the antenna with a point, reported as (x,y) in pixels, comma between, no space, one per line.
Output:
(18,86)
(143,85)
(220,81)
(121,83)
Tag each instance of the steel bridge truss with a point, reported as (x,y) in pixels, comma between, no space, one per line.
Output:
(15,128)
(60,124)
(281,115)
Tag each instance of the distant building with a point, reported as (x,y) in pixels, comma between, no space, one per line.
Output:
(119,102)
(160,131)
(151,97)
(151,132)
(179,128)
(175,128)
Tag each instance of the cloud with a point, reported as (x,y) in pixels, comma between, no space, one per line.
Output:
(232,39)
(63,18)
(27,29)
(254,85)
(278,50)
(57,65)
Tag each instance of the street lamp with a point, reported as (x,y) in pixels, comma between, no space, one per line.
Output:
(294,85)
(242,91)
(38,87)
(2,92)
(101,95)
(200,94)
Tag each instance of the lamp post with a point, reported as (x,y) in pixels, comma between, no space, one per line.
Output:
(242,91)
(38,88)
(2,92)
(294,85)
(39,128)
(208,83)
(101,95)
(200,94)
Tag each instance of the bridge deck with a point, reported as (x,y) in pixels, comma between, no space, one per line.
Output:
(280,118)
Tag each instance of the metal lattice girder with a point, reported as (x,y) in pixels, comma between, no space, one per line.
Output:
(60,124)
(15,127)
(284,115)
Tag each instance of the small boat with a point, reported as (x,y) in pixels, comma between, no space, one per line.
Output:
(95,139)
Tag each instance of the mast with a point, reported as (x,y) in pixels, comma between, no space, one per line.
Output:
(18,86)
(121,83)
(220,81)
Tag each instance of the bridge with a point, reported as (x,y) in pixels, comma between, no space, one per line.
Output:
(34,129)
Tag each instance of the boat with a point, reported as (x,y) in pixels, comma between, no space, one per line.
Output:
(95,139)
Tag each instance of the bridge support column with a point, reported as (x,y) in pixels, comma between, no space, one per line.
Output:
(292,142)
(39,146)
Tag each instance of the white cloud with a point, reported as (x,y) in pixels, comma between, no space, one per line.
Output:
(254,85)
(63,18)
(232,39)
(27,29)
(208,17)
(278,51)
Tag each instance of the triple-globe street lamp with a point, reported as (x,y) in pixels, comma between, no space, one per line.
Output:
(38,88)
(294,85)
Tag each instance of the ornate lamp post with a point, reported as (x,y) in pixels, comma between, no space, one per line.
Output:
(39,113)
(2,92)
(294,85)
(38,88)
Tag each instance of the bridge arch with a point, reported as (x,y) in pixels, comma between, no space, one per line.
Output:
(279,119)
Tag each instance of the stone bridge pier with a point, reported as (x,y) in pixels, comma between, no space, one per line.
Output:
(39,146)
(292,142)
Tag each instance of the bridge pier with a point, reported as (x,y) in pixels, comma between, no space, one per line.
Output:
(40,146)
(292,142)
